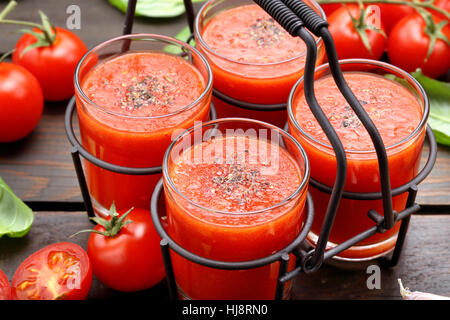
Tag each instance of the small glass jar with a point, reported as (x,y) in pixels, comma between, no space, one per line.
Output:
(129,140)
(265,83)
(362,166)
(229,234)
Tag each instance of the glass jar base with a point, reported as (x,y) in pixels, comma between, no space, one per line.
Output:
(357,254)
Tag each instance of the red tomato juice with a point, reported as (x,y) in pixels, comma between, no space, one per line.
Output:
(221,210)
(137,100)
(396,113)
(253,59)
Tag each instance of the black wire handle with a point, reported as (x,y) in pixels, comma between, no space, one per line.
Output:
(294,15)
(128,26)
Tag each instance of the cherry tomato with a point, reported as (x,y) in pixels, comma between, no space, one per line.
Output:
(58,271)
(132,259)
(53,66)
(21,102)
(348,41)
(408,46)
(391,14)
(5,290)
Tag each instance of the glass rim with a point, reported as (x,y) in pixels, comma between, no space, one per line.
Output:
(150,37)
(376,63)
(199,37)
(303,184)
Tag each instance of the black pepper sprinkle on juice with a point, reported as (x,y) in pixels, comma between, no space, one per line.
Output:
(266,32)
(145,92)
(349,118)
(239,182)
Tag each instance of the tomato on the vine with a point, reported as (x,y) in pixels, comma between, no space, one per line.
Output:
(21,102)
(5,289)
(409,45)
(125,251)
(53,65)
(58,271)
(355,35)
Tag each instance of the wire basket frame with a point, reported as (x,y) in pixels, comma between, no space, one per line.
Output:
(294,16)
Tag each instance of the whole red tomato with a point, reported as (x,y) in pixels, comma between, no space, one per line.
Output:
(5,290)
(349,43)
(408,47)
(131,260)
(54,65)
(21,102)
(58,271)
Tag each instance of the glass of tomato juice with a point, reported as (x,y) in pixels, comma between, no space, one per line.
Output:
(399,108)
(132,95)
(252,57)
(235,191)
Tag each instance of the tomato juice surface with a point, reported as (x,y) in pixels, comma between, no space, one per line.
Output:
(252,57)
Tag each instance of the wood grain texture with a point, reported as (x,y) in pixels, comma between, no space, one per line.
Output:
(53,227)
(422,267)
(435,189)
(39,167)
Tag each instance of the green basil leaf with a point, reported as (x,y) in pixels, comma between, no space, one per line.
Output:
(154,8)
(16,217)
(438,93)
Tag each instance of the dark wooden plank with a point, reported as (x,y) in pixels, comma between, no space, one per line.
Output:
(435,189)
(39,167)
(52,227)
(423,266)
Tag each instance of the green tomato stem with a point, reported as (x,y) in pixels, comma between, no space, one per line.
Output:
(5,55)
(10,7)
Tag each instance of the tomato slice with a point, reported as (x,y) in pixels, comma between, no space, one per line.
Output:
(58,271)
(5,290)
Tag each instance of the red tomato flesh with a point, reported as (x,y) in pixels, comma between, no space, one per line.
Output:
(5,290)
(58,271)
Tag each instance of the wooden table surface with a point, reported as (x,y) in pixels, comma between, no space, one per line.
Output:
(40,171)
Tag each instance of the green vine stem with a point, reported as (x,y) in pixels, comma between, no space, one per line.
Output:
(415,4)
(6,54)
(46,28)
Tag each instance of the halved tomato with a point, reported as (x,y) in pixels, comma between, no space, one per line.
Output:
(58,271)
(5,290)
